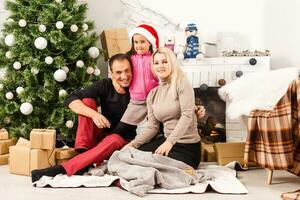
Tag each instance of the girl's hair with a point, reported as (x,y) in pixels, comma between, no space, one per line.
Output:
(177,75)
(132,51)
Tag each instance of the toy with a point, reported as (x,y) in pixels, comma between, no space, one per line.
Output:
(192,49)
(170,42)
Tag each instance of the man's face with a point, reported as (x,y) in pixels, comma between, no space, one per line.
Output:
(121,72)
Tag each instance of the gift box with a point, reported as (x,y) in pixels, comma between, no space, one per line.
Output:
(22,159)
(65,154)
(207,152)
(5,144)
(61,161)
(228,152)
(3,134)
(4,159)
(115,41)
(43,138)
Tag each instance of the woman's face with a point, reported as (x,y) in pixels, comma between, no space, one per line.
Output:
(161,66)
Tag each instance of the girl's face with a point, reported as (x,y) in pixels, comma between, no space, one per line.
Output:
(161,66)
(141,44)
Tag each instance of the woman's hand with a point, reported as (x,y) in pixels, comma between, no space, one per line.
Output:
(200,112)
(164,148)
(100,120)
(127,146)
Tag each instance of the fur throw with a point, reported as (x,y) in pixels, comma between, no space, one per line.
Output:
(257,90)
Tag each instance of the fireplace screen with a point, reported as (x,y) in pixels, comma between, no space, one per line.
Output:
(212,125)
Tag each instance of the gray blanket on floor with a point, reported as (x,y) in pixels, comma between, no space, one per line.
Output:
(144,170)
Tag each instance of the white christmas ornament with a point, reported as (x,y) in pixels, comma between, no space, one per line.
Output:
(85,27)
(69,124)
(58,1)
(49,60)
(90,70)
(42,28)
(66,69)
(26,108)
(9,40)
(34,70)
(22,23)
(40,43)
(59,25)
(74,28)
(17,65)
(1,86)
(62,93)
(19,90)
(84,34)
(10,20)
(9,95)
(97,72)
(80,63)
(8,55)
(60,75)
(93,52)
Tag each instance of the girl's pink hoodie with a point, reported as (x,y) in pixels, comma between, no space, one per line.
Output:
(143,79)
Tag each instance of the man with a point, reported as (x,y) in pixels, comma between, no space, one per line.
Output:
(97,135)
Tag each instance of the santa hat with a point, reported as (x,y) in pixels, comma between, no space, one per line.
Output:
(148,32)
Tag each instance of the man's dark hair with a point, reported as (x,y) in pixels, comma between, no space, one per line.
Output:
(118,57)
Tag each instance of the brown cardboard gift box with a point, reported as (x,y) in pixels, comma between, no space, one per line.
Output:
(227,152)
(3,134)
(115,41)
(4,159)
(62,154)
(43,138)
(5,144)
(207,152)
(22,159)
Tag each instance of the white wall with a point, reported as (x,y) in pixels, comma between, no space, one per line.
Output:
(264,24)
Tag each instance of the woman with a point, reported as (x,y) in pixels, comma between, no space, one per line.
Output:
(172,103)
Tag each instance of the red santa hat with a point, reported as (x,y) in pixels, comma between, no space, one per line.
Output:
(148,32)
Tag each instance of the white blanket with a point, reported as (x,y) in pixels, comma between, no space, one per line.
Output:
(224,181)
(257,90)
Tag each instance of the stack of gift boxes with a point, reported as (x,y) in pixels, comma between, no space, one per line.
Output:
(5,143)
(37,153)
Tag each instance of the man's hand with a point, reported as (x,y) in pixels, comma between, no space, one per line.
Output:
(100,120)
(164,148)
(200,112)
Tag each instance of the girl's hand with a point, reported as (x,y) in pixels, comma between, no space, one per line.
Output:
(164,148)
(200,112)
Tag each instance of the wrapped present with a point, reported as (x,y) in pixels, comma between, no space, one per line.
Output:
(61,161)
(115,41)
(43,138)
(207,152)
(3,134)
(63,154)
(5,144)
(4,159)
(22,159)
(228,152)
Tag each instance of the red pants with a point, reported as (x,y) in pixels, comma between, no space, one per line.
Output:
(99,144)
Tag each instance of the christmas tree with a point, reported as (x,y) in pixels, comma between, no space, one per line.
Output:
(47,51)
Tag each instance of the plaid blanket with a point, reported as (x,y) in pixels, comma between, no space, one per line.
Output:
(274,136)
(291,195)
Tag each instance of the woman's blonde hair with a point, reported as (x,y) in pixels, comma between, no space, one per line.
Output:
(176,76)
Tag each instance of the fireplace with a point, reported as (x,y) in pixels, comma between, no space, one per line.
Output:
(212,125)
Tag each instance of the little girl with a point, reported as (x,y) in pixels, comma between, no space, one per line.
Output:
(144,39)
